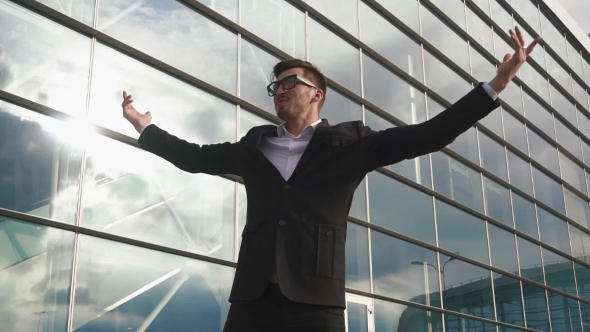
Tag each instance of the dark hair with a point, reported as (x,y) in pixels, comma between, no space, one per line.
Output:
(311,72)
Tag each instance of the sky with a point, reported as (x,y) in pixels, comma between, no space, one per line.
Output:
(579,10)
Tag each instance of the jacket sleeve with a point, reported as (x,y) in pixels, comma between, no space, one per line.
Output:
(211,159)
(386,147)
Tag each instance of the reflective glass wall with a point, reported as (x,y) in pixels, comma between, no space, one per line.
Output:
(489,234)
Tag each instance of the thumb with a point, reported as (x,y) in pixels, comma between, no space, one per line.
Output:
(507,57)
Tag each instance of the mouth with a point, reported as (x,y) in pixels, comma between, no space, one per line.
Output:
(282,100)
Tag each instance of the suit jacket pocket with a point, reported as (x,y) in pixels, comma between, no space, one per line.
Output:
(322,250)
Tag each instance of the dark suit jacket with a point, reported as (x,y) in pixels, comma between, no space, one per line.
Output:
(298,227)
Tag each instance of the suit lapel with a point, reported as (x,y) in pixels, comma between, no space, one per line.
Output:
(320,132)
(270,131)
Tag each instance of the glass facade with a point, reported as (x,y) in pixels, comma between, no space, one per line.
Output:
(489,234)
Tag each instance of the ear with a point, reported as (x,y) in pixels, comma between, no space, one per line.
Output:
(318,96)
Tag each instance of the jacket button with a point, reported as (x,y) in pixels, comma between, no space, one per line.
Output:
(337,143)
(287,186)
(329,233)
(282,223)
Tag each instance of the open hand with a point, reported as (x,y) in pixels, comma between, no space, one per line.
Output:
(137,119)
(512,62)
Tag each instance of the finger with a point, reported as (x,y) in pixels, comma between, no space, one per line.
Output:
(515,42)
(531,47)
(507,57)
(520,36)
(124,94)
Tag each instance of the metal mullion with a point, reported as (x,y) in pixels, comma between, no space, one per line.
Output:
(436,309)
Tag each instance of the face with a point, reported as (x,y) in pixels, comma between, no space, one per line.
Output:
(297,102)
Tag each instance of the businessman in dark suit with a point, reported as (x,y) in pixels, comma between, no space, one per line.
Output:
(300,178)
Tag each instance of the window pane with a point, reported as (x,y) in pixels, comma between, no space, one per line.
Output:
(580,95)
(82,11)
(405,10)
(480,31)
(227,8)
(543,152)
(358,209)
(580,243)
(563,107)
(493,156)
(395,262)
(250,120)
(535,81)
(568,139)
(452,88)
(461,232)
(396,317)
(548,191)
(535,304)
(503,249)
(457,181)
(341,63)
(582,280)
(357,258)
(391,93)
(256,68)
(531,265)
(529,12)
(342,12)
(513,96)
(498,202)
(397,214)
(577,208)
(508,300)
(572,173)
(520,173)
(538,115)
(559,74)
(115,279)
(466,145)
(339,108)
(565,314)
(481,68)
(525,218)
(36,269)
(466,288)
(43,61)
(40,163)
(493,122)
(501,16)
(553,37)
(559,272)
(553,230)
(277,22)
(515,132)
(125,196)
(441,36)
(391,42)
(209,51)
(460,324)
(178,107)
(455,10)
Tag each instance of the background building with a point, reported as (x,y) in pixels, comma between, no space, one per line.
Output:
(490,234)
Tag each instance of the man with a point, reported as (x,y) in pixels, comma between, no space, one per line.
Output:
(300,178)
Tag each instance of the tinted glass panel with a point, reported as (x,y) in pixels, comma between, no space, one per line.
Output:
(357,258)
(452,88)
(559,272)
(396,317)
(461,232)
(568,139)
(40,163)
(390,42)
(572,173)
(493,122)
(466,145)
(498,202)
(249,120)
(256,68)
(553,230)
(513,96)
(457,181)
(582,280)
(205,49)
(342,12)
(535,304)
(548,191)
(529,255)
(503,249)
(543,152)
(391,93)
(341,62)
(565,314)
(339,108)
(410,213)
(580,243)
(405,10)
(577,208)
(525,218)
(515,132)
(35,276)
(520,173)
(395,262)
(493,157)
(479,30)
(466,288)
(538,115)
(277,22)
(119,286)
(43,61)
(509,307)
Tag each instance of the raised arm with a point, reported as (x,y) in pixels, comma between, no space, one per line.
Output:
(396,144)
(211,159)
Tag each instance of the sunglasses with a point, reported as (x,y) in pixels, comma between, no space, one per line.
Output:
(287,83)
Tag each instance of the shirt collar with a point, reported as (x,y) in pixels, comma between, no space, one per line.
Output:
(308,130)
